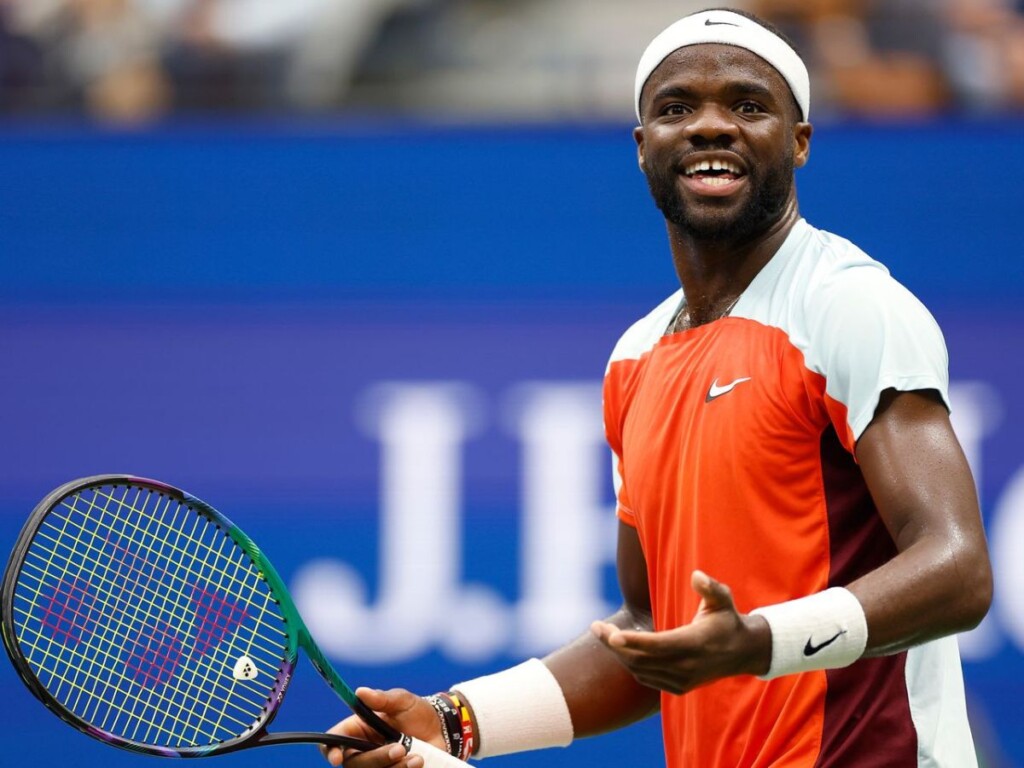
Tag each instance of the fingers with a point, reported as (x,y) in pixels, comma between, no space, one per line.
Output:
(374,698)
(681,658)
(626,642)
(609,634)
(715,596)
(393,702)
(387,756)
(409,713)
(618,639)
(350,726)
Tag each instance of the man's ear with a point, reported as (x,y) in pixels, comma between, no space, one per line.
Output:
(638,137)
(802,144)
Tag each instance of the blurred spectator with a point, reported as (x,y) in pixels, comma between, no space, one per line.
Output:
(532,59)
(326,62)
(102,55)
(985,56)
(270,53)
(907,57)
(869,57)
(21,64)
(132,60)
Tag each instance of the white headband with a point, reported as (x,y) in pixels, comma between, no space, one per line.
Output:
(729,29)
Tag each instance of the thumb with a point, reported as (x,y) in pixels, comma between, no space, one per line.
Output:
(715,596)
(392,702)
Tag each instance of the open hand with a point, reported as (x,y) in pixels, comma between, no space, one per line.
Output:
(718,643)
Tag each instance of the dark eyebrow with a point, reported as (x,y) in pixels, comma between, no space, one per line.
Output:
(752,89)
(745,88)
(673,92)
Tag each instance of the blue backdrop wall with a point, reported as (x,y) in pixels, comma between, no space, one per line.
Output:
(379,349)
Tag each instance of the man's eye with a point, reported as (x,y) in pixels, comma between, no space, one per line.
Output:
(675,109)
(750,108)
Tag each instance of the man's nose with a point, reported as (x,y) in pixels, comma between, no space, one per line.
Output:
(712,123)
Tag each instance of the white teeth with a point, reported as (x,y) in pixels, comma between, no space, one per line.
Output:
(712,165)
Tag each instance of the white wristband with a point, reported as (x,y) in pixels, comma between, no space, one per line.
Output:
(519,709)
(822,631)
(434,757)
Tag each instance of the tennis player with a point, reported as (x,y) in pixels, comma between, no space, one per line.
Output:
(799,532)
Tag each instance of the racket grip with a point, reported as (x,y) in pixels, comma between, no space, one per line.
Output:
(434,757)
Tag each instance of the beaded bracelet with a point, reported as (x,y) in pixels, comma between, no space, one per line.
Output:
(466,723)
(451,726)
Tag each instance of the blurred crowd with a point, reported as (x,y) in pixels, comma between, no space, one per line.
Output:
(136,60)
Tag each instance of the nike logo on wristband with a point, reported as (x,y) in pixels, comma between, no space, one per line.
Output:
(710,23)
(810,650)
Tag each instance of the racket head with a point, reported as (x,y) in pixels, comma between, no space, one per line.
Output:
(144,618)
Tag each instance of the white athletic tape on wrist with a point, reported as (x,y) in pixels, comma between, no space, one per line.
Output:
(822,631)
(434,757)
(519,709)
(727,28)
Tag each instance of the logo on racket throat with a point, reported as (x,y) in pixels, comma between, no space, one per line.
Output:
(245,669)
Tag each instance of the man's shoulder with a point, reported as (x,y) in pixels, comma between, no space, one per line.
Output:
(836,272)
(645,332)
(830,256)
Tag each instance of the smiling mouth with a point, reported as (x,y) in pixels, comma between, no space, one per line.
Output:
(713,173)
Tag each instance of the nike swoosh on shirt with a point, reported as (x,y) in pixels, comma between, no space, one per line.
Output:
(717,391)
(810,650)
(710,23)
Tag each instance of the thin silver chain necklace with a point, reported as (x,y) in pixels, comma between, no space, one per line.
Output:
(681,319)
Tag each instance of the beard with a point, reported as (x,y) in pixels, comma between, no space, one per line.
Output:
(771,190)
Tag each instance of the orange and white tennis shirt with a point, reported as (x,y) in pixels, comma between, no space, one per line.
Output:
(733,450)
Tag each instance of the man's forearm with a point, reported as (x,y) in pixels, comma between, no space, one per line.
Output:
(601,693)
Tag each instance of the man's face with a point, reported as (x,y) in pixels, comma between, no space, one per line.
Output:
(719,142)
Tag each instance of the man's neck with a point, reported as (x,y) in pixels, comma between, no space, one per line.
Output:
(713,273)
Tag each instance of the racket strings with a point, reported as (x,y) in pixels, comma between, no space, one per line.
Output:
(160,649)
(148,589)
(133,649)
(132,611)
(153,654)
(143,667)
(166,650)
(137,535)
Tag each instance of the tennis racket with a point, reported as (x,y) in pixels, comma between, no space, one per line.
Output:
(144,618)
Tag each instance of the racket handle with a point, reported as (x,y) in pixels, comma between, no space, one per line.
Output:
(434,757)
(310,737)
(371,718)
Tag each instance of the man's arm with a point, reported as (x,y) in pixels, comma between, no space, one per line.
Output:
(600,693)
(940,582)
(916,471)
